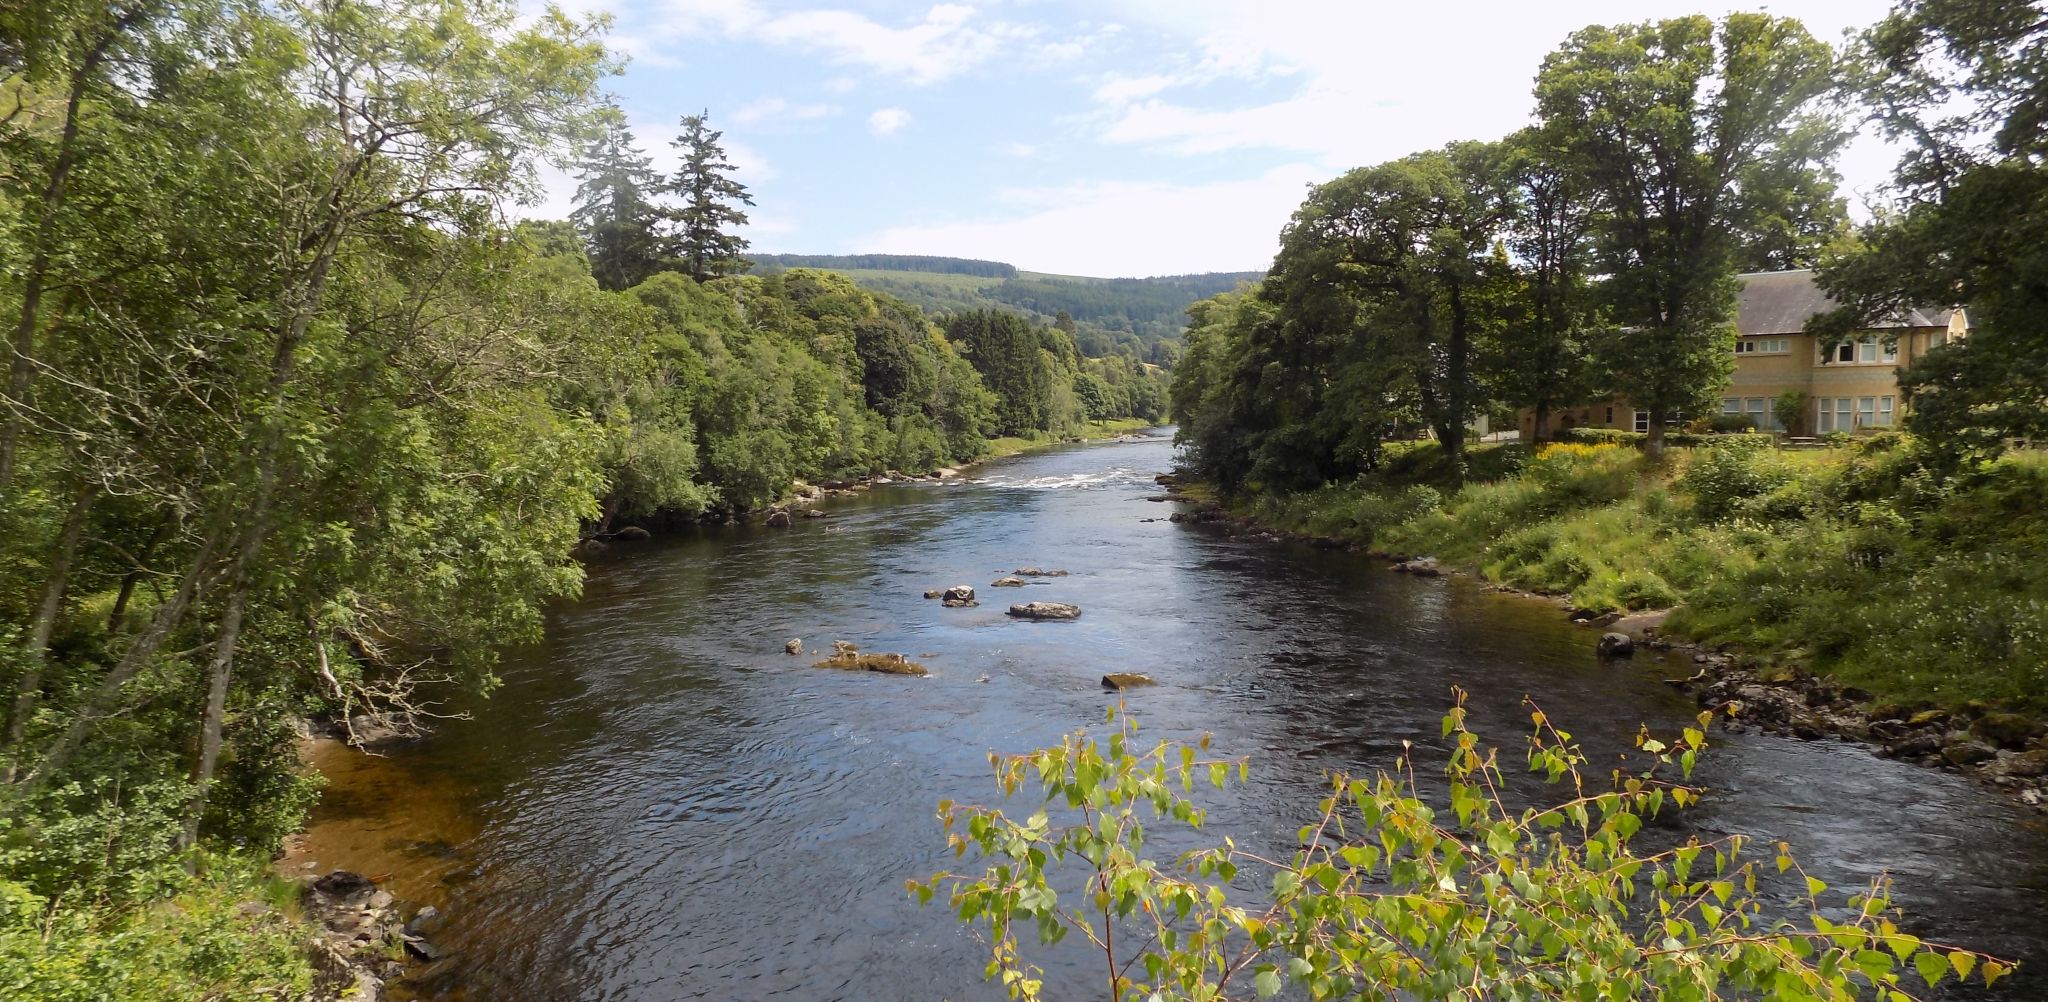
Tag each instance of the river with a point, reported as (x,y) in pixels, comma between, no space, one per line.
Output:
(660,804)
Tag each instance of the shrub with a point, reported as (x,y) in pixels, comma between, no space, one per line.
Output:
(1398,893)
(1720,480)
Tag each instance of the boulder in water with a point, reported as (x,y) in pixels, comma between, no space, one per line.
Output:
(1121,680)
(778,519)
(1422,567)
(1046,610)
(886,664)
(959,597)
(632,534)
(1038,572)
(1007,583)
(1616,645)
(794,646)
(933,593)
(814,513)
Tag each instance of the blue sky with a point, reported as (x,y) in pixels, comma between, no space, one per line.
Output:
(1113,138)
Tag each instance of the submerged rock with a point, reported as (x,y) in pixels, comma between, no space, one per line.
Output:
(1616,645)
(1422,567)
(887,664)
(814,513)
(1046,610)
(632,534)
(1007,583)
(959,597)
(933,593)
(778,519)
(794,646)
(1121,680)
(1038,572)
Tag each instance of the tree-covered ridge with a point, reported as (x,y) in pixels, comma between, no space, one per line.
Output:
(936,265)
(1137,317)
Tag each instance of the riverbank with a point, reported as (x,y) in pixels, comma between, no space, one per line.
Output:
(1833,592)
(1001,448)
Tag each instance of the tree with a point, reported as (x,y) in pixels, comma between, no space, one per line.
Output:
(1688,137)
(711,202)
(614,207)
(1542,355)
(1388,273)
(1960,83)
(1007,352)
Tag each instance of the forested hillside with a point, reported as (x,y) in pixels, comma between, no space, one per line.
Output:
(1139,317)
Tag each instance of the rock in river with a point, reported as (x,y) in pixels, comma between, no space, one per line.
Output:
(1046,610)
(1038,572)
(1422,567)
(1007,583)
(888,664)
(959,597)
(1121,680)
(794,646)
(778,519)
(1617,645)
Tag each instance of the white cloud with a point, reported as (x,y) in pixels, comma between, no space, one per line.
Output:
(888,121)
(947,41)
(1123,228)
(1021,151)
(778,109)
(1358,83)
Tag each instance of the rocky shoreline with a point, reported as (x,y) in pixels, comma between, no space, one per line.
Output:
(2004,751)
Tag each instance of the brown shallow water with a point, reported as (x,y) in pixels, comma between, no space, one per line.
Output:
(660,804)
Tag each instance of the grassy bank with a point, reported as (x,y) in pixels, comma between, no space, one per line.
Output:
(233,935)
(1851,561)
(1011,446)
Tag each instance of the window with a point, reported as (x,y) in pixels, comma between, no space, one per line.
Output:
(1610,415)
(1764,346)
(1864,350)
(1643,419)
(1836,414)
(1884,411)
(1866,411)
(1756,409)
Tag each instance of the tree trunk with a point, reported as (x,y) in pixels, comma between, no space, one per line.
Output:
(21,370)
(1541,425)
(1653,445)
(133,577)
(30,686)
(144,650)
(218,675)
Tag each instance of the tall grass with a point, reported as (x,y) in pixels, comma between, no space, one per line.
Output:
(1855,561)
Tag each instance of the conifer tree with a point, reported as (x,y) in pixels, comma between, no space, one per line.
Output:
(615,211)
(704,244)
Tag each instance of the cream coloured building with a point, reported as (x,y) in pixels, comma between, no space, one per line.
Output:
(1848,387)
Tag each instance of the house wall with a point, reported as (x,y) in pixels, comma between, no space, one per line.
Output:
(1760,377)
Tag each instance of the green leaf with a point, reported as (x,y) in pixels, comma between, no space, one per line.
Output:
(1931,966)
(1266,983)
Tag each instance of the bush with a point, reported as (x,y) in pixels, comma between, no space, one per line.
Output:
(226,938)
(1398,892)
(1721,480)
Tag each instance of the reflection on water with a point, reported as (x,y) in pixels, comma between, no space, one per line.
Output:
(660,804)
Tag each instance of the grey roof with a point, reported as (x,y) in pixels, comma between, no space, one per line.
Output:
(1780,302)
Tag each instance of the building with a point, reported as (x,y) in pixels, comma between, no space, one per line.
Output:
(1851,386)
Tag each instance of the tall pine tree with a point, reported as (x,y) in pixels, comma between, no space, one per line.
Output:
(711,202)
(615,211)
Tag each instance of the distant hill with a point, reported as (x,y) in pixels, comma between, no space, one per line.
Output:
(1134,313)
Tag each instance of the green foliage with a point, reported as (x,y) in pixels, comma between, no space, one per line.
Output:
(1396,891)
(1958,84)
(704,244)
(1692,138)
(226,938)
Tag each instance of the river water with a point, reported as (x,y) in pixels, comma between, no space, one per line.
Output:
(660,804)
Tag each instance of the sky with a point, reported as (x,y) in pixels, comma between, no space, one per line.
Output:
(1110,138)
